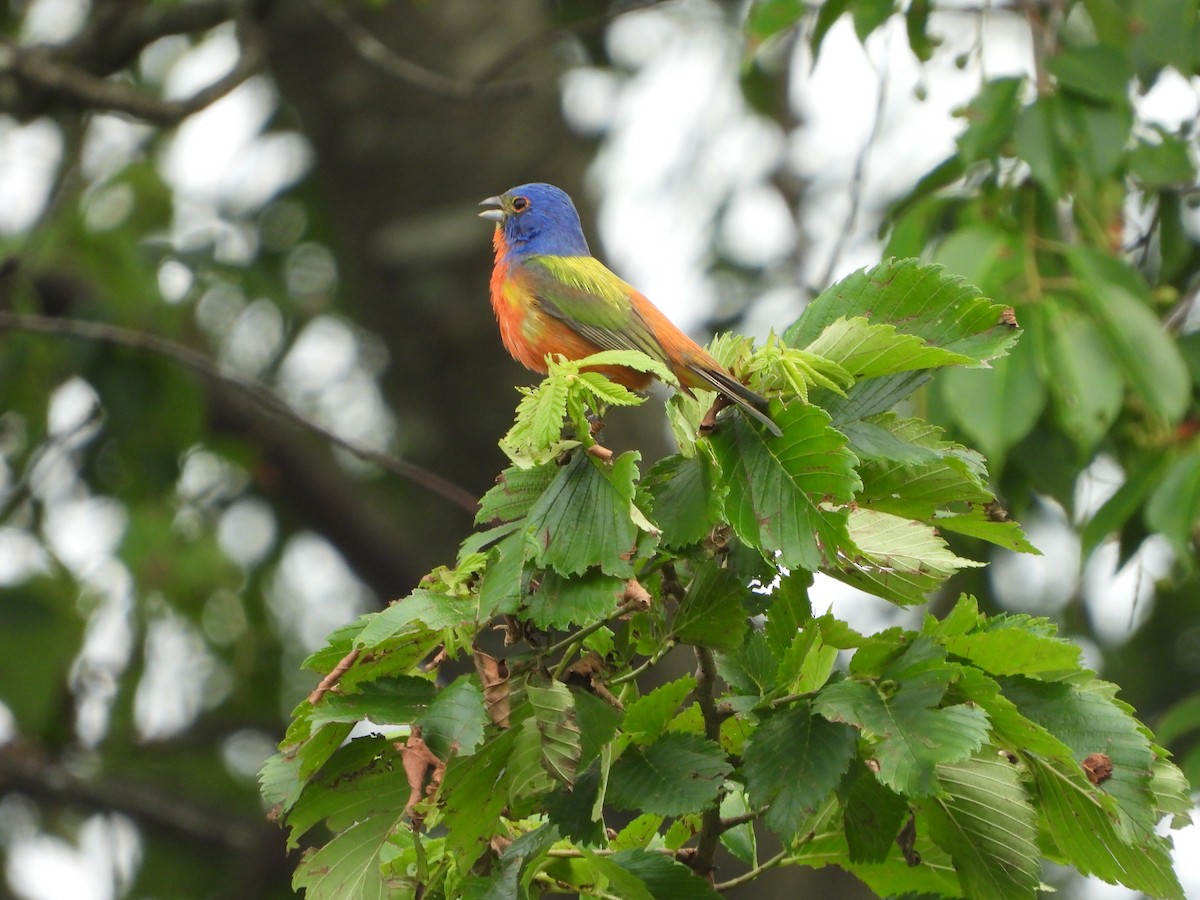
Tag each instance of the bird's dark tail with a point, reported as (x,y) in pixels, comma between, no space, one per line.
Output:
(729,387)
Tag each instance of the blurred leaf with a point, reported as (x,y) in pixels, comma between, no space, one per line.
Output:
(1099,71)
(770,17)
(1173,507)
(1165,33)
(996,408)
(828,13)
(869,15)
(1139,481)
(991,116)
(916,23)
(1082,375)
(677,774)
(1039,143)
(1151,360)
(1163,164)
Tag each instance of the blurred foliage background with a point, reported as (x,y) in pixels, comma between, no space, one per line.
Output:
(250,383)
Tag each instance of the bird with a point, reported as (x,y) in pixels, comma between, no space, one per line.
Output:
(551,296)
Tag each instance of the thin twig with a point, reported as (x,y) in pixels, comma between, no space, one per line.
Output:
(258,393)
(753,873)
(379,54)
(735,821)
(573,641)
(857,180)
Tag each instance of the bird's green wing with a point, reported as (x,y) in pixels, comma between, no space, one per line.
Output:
(592,301)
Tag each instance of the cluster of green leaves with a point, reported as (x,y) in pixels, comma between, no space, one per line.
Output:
(1065,199)
(945,760)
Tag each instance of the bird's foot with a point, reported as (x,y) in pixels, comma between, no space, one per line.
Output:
(709,423)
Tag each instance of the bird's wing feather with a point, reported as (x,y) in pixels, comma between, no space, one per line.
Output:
(592,301)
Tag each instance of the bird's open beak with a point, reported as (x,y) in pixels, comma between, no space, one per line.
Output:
(496,214)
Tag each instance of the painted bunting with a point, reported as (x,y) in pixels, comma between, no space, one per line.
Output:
(550,295)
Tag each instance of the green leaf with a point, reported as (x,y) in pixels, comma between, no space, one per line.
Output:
(991,116)
(1083,835)
(740,840)
(983,817)
(1153,365)
(535,436)
(677,774)
(923,300)
(872,815)
(779,490)
(515,492)
(1098,71)
(1164,34)
(793,762)
(664,876)
(712,612)
(598,723)
(685,499)
(474,791)
(896,558)
(348,866)
(558,726)
(909,736)
(453,723)
(1088,719)
(385,702)
(1140,479)
(647,717)
(1174,506)
(869,350)
(916,23)
(434,610)
(1015,645)
(587,490)
(559,602)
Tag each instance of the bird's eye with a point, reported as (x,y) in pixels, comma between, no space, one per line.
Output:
(520,204)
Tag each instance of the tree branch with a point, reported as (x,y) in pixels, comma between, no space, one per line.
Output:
(262,396)
(705,694)
(44,71)
(383,57)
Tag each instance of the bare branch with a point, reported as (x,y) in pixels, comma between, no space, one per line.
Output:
(260,394)
(44,70)
(378,54)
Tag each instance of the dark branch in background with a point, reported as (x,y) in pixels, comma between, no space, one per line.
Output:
(76,74)
(24,772)
(42,70)
(379,54)
(705,693)
(262,396)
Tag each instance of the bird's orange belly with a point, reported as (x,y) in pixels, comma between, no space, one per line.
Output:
(530,335)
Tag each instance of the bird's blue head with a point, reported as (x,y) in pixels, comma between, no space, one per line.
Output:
(536,219)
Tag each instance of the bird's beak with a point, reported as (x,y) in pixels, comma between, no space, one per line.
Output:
(496,214)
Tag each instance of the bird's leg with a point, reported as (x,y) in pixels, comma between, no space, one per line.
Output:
(709,422)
